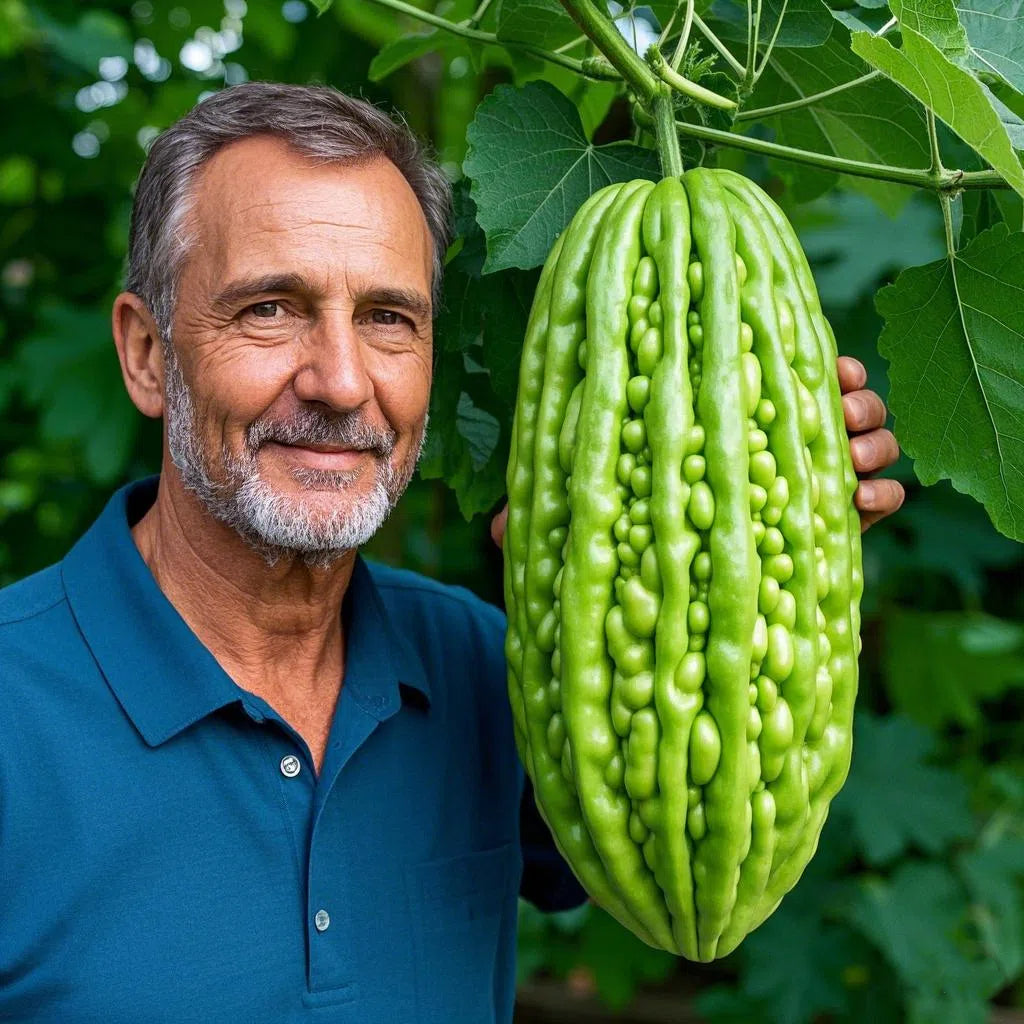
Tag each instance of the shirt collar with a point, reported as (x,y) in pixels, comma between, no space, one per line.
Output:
(163,677)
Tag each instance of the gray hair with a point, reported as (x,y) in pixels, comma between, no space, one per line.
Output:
(315,120)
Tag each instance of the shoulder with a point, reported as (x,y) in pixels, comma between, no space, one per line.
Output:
(411,593)
(24,602)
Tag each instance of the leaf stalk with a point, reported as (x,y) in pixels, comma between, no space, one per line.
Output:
(466,31)
(683,85)
(948,182)
(760,113)
(738,69)
(684,37)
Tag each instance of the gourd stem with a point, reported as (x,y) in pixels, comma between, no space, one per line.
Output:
(666,135)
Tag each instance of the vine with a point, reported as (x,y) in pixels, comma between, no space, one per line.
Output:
(650,80)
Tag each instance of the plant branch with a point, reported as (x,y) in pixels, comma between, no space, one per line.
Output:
(771,43)
(946,202)
(749,65)
(684,38)
(683,85)
(478,14)
(717,43)
(667,30)
(933,143)
(571,45)
(757,34)
(665,135)
(600,28)
(466,31)
(949,181)
(805,101)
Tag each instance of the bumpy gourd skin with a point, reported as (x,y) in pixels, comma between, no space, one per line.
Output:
(682,558)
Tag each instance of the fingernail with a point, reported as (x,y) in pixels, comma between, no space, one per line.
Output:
(867,495)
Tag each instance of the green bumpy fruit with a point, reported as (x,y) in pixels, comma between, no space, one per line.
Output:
(682,558)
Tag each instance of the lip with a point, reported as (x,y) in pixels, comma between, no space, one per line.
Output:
(320,457)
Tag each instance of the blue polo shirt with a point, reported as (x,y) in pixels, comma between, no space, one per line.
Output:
(167,853)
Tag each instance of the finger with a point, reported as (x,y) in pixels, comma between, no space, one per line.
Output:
(863,410)
(874,451)
(498,526)
(876,499)
(852,375)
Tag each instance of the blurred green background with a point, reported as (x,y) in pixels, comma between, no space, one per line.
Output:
(913,909)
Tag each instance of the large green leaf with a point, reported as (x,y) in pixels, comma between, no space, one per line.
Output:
(915,919)
(953,336)
(937,21)
(806,23)
(994,875)
(872,121)
(842,244)
(542,23)
(940,666)
(532,168)
(995,29)
(956,96)
(894,798)
(464,442)
(399,52)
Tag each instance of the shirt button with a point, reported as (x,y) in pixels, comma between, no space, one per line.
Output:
(322,920)
(290,766)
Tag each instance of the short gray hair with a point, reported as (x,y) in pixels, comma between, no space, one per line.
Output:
(315,120)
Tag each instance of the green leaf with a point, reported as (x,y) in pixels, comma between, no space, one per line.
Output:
(871,122)
(807,23)
(844,249)
(956,96)
(532,168)
(995,29)
(321,5)
(69,370)
(894,799)
(984,208)
(542,23)
(485,315)
(479,429)
(953,335)
(950,536)
(994,875)
(467,442)
(399,52)
(940,666)
(936,20)
(798,979)
(95,35)
(915,920)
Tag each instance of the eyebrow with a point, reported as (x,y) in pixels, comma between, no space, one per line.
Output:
(295,284)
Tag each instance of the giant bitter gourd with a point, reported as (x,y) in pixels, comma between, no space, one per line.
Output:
(682,558)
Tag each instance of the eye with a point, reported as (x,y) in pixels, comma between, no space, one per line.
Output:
(264,310)
(387,317)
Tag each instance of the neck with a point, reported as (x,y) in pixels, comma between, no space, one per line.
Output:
(276,630)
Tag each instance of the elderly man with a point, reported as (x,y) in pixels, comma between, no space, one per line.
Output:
(246,776)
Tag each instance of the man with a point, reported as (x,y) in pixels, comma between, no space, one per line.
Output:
(245,776)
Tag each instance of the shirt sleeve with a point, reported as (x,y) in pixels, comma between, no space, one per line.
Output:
(547,882)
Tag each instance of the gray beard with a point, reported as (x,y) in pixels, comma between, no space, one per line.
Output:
(276,525)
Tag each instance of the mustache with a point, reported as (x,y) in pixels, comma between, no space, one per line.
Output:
(309,426)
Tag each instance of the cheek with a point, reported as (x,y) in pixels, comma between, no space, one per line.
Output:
(233,391)
(403,392)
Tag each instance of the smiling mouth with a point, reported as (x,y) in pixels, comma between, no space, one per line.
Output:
(319,456)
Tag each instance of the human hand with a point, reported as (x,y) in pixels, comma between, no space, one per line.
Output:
(872,447)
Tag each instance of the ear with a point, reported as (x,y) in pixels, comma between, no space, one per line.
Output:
(140,353)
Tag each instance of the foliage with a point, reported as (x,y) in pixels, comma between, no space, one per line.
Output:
(913,908)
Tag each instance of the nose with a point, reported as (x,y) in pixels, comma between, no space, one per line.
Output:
(333,368)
